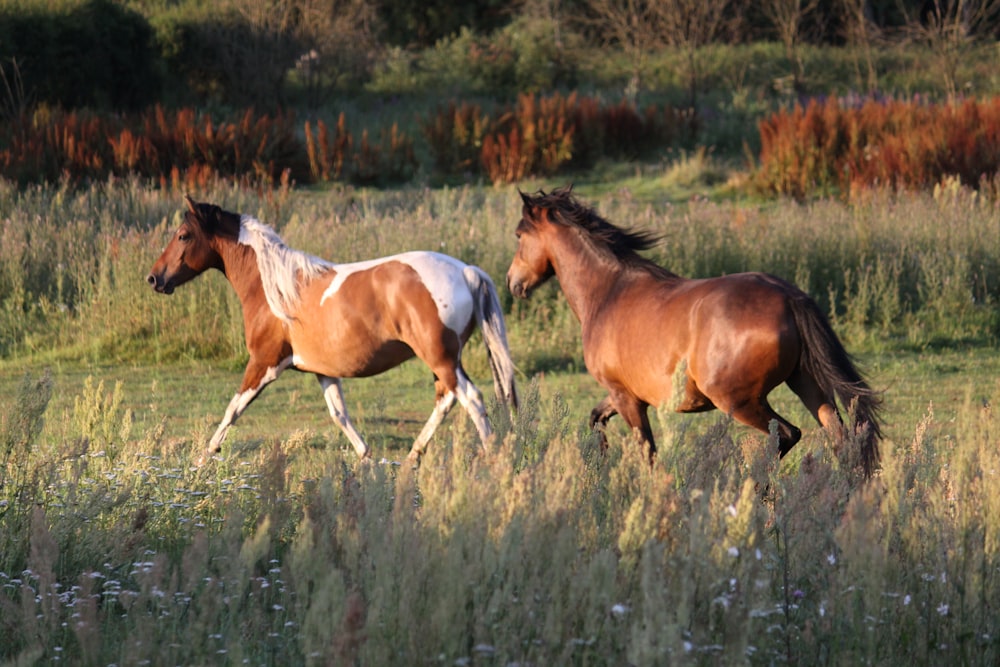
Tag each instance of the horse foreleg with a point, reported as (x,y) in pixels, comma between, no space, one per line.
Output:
(599,417)
(634,412)
(255,378)
(334,395)
(444,401)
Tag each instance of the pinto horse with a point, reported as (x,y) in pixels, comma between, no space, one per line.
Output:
(343,320)
(736,337)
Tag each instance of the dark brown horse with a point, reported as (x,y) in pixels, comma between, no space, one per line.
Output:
(343,320)
(736,337)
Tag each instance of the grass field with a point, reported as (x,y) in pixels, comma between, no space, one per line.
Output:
(390,409)
(287,550)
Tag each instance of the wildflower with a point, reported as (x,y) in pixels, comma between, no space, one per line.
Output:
(734,552)
(619,610)
(831,559)
(906,600)
(942,609)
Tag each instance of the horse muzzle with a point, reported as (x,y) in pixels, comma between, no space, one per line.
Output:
(159,284)
(518,288)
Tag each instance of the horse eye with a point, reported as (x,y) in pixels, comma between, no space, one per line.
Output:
(183,236)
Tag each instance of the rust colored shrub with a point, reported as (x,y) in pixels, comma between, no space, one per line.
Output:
(455,136)
(828,147)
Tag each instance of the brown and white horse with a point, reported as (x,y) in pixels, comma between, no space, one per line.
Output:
(737,337)
(343,320)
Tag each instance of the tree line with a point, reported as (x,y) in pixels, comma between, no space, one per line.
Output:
(129,54)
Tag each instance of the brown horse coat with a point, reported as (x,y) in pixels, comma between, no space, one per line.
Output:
(736,337)
(343,320)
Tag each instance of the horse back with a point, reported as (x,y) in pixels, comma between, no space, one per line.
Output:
(364,318)
(712,325)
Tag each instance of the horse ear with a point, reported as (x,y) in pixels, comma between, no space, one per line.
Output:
(192,206)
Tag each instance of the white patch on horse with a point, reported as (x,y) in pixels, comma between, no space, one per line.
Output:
(281,268)
(441,275)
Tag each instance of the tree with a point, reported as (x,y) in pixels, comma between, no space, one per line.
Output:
(787,17)
(635,26)
(691,25)
(342,36)
(862,34)
(640,27)
(950,29)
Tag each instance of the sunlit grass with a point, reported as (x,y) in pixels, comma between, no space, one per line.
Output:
(287,550)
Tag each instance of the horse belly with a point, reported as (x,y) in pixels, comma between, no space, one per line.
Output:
(362,356)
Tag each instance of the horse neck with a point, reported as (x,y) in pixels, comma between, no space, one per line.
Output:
(585,275)
(239,265)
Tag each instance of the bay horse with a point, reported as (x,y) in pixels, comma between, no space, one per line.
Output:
(343,320)
(736,337)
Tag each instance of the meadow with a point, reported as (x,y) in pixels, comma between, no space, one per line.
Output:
(288,550)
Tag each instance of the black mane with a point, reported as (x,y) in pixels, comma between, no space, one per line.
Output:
(623,244)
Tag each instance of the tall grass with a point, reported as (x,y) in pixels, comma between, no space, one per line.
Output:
(543,552)
(113,550)
(901,271)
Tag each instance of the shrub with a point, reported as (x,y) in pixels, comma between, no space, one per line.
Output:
(225,57)
(81,53)
(830,146)
(391,160)
(455,136)
(50,145)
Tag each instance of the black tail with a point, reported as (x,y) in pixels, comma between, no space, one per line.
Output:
(824,357)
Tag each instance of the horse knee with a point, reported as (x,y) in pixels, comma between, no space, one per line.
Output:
(600,415)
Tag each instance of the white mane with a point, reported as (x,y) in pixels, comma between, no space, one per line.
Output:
(281,268)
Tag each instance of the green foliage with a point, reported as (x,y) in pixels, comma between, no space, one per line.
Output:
(80,53)
(527,56)
(223,57)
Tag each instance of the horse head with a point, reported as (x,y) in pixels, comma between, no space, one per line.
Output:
(532,263)
(191,249)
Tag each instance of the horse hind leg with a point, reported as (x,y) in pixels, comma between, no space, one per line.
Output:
(472,400)
(759,415)
(822,406)
(451,379)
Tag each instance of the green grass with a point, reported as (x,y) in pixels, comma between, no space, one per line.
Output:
(389,410)
(288,550)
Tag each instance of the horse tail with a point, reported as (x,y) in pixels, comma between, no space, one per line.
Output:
(489,315)
(826,360)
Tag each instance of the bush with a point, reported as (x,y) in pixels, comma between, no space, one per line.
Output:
(81,53)
(52,145)
(223,57)
(833,146)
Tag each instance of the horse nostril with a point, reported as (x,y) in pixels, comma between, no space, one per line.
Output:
(151,279)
